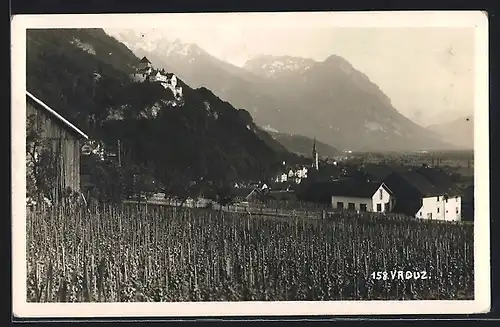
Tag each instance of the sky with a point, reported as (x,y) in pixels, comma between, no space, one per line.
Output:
(427,72)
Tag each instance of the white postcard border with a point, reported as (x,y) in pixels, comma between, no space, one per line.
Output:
(475,19)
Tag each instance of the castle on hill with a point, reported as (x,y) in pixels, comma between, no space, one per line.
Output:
(146,71)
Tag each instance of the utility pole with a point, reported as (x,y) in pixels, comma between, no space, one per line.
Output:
(119,155)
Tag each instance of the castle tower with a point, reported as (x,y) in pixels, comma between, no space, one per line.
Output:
(315,163)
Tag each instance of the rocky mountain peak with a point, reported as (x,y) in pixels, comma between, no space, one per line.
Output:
(273,66)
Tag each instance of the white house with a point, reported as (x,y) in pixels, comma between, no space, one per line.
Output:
(441,207)
(420,198)
(281,178)
(302,173)
(361,196)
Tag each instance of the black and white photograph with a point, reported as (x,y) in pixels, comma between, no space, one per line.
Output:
(306,163)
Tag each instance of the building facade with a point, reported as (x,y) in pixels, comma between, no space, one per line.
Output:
(61,139)
(146,72)
(441,208)
(422,197)
(368,196)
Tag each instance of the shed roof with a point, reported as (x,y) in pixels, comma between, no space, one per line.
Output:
(37,102)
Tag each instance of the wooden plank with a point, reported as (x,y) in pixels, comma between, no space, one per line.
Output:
(63,145)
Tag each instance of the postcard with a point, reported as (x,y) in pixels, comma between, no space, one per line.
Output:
(250,164)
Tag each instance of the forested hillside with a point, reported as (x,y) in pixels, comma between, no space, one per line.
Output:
(83,74)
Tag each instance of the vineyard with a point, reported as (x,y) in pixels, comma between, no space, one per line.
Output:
(123,253)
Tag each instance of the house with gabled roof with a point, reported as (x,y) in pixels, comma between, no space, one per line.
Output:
(418,197)
(359,195)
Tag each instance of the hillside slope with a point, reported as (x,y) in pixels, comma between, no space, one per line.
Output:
(303,145)
(83,74)
(459,131)
(329,100)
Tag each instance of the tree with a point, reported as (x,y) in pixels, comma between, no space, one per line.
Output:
(221,193)
(178,185)
(40,163)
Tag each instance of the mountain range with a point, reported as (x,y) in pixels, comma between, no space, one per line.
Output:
(329,100)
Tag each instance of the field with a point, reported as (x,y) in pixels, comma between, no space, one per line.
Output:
(123,253)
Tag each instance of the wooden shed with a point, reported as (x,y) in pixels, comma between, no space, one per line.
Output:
(62,139)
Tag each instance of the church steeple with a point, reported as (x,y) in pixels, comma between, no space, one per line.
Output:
(315,163)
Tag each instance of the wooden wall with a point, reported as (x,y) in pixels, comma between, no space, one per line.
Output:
(63,143)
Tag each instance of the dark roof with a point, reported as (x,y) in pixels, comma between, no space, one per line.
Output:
(350,187)
(242,191)
(468,194)
(411,184)
(354,188)
(377,172)
(38,103)
(282,186)
(169,75)
(437,177)
(282,195)
(324,174)
(145,60)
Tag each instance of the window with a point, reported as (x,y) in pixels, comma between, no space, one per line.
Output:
(381,194)
(438,199)
(429,215)
(379,207)
(362,207)
(351,206)
(438,210)
(456,210)
(386,207)
(340,205)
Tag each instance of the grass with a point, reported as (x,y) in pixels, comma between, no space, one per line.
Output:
(123,253)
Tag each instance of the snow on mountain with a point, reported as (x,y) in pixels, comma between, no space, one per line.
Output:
(155,41)
(178,48)
(274,66)
(331,100)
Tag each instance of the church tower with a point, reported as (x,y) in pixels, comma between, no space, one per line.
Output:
(315,163)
